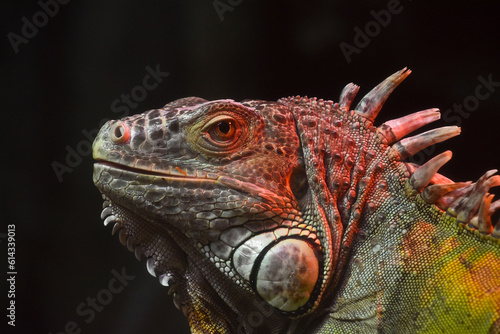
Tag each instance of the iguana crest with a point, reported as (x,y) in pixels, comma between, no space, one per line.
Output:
(304,212)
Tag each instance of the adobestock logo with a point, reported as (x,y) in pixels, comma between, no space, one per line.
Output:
(460,111)
(483,91)
(92,305)
(254,319)
(121,105)
(372,29)
(221,7)
(29,28)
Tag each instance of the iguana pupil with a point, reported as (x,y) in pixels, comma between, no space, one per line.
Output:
(303,211)
(224,127)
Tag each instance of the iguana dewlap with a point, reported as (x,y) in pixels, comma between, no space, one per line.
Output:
(302,216)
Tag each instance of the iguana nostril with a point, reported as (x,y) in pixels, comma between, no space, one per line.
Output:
(119,133)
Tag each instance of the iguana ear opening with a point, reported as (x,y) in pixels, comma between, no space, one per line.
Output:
(298,182)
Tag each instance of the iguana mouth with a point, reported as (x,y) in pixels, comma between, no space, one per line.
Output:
(174,172)
(115,165)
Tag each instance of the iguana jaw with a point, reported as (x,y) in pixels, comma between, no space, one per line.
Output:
(172,257)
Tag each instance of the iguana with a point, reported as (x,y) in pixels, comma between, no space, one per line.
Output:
(302,216)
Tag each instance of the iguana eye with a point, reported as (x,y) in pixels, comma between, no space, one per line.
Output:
(223,131)
(219,135)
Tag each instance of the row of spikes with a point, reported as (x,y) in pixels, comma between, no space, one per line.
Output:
(469,202)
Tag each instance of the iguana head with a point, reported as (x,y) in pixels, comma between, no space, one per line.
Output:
(254,209)
(216,184)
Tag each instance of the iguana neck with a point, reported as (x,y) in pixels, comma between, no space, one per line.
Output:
(346,162)
(380,224)
(355,179)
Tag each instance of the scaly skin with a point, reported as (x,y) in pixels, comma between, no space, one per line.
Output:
(301,216)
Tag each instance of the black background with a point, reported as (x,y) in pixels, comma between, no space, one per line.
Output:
(65,78)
